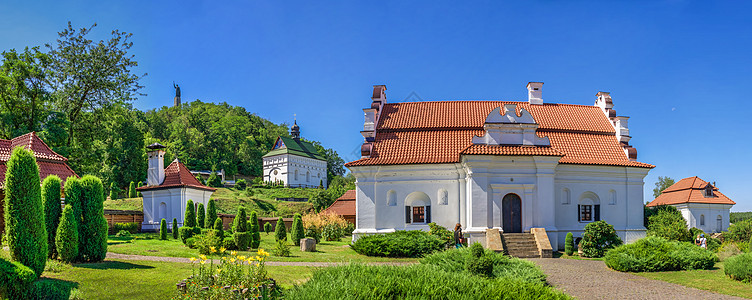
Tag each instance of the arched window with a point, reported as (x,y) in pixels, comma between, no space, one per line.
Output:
(162,211)
(308,176)
(702,220)
(566,196)
(391,198)
(612,197)
(589,208)
(443,197)
(417,208)
(296,174)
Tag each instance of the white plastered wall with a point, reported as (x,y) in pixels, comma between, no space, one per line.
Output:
(693,213)
(286,165)
(175,200)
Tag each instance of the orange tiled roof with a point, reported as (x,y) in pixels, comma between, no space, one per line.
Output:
(344,206)
(349,195)
(441,131)
(49,162)
(689,190)
(177,175)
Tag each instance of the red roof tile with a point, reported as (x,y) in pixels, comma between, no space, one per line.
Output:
(344,206)
(689,190)
(439,132)
(49,162)
(32,142)
(349,195)
(177,175)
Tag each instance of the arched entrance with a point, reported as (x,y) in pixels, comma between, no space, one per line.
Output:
(511,213)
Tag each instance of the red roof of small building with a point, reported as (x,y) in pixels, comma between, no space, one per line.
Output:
(344,206)
(49,162)
(689,190)
(177,175)
(442,131)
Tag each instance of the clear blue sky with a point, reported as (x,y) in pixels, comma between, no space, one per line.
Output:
(679,69)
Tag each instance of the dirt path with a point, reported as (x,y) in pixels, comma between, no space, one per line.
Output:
(591,279)
(111,255)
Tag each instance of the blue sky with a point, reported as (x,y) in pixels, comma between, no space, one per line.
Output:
(679,69)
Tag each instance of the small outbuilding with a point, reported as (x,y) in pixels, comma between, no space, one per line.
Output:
(344,206)
(700,202)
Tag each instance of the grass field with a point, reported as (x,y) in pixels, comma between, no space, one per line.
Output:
(148,244)
(711,280)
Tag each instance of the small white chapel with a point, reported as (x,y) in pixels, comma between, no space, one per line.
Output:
(294,162)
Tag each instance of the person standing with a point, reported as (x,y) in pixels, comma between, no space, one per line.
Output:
(703,242)
(458,238)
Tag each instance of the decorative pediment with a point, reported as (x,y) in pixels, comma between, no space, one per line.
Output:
(279,144)
(511,129)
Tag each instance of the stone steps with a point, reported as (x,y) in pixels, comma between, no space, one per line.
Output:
(520,245)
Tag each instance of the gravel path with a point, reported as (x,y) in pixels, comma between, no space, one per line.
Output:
(591,279)
(111,255)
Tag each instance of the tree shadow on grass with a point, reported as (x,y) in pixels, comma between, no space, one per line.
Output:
(46,287)
(265,206)
(112,265)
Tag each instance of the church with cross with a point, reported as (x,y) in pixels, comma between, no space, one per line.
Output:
(294,162)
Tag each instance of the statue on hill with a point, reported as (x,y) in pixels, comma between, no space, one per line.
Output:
(177,93)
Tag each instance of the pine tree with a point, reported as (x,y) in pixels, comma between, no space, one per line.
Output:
(254,230)
(190,215)
(240,230)
(132,190)
(74,198)
(66,237)
(297,231)
(569,244)
(175,232)
(93,225)
(24,214)
(268,228)
(200,216)
(163,229)
(218,226)
(211,213)
(280,232)
(52,210)
(113,191)
(138,186)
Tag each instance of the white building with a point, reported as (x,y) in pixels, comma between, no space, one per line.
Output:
(294,162)
(504,165)
(701,204)
(168,190)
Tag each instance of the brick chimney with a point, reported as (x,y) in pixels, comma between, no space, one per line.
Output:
(535,93)
(156,172)
(371,115)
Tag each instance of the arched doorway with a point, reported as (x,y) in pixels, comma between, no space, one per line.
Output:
(511,211)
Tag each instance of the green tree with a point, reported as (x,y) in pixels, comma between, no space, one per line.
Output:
(667,222)
(240,223)
(214,180)
(268,228)
(123,152)
(211,212)
(24,215)
(93,225)
(598,237)
(297,231)
(253,227)
(163,229)
(321,199)
(52,210)
(190,215)
(280,231)
(175,232)
(113,191)
(662,184)
(66,238)
(335,165)
(219,228)
(200,216)
(74,199)
(569,244)
(24,93)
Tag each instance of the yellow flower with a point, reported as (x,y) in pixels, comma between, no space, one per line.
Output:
(203,257)
(203,262)
(213,249)
(193,259)
(219,271)
(222,250)
(234,252)
(250,259)
(258,258)
(232,260)
(242,257)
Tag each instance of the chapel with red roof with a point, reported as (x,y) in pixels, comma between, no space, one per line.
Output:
(700,202)
(511,166)
(168,190)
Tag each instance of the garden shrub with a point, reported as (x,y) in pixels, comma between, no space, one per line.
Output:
(186,233)
(138,186)
(229,243)
(739,267)
(312,232)
(655,254)
(242,240)
(190,214)
(569,244)
(253,227)
(93,227)
(240,223)
(669,224)
(740,231)
(123,233)
(191,242)
(201,216)
(66,238)
(175,232)
(113,191)
(131,227)
(163,229)
(15,279)
(232,277)
(268,227)
(419,281)
(24,215)
(476,249)
(132,190)
(205,242)
(281,249)
(455,260)
(240,184)
(727,250)
(50,289)
(478,263)
(214,180)
(413,243)
(211,213)
(280,231)
(249,192)
(441,233)
(329,226)
(297,231)
(218,227)
(52,210)
(598,237)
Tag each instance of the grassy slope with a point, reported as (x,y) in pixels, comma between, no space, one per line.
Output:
(228,200)
(711,280)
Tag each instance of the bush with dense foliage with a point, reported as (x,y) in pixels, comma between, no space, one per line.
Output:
(175,232)
(214,180)
(113,191)
(132,190)
(598,237)
(240,223)
(15,279)
(186,233)
(297,231)
(242,240)
(569,244)
(219,227)
(420,281)
(740,231)
(190,214)
(205,242)
(728,249)
(211,213)
(281,249)
(240,184)
(24,214)
(442,234)
(329,226)
(655,254)
(739,267)
(455,261)
(412,243)
(200,216)
(280,231)
(93,245)
(235,276)
(66,237)
(131,227)
(669,224)
(253,227)
(268,227)
(163,229)
(52,210)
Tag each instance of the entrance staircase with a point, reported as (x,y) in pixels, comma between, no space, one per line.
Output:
(520,245)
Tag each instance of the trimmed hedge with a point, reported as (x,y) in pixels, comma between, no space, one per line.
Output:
(24,214)
(297,231)
(132,190)
(175,232)
(419,281)
(131,227)
(412,243)
(52,210)
(15,279)
(242,240)
(240,223)
(455,261)
(211,213)
(93,227)
(280,231)
(163,229)
(598,238)
(190,215)
(66,239)
(654,254)
(186,233)
(201,216)
(739,267)
(569,244)
(253,227)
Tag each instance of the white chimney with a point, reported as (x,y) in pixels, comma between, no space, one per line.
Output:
(371,115)
(604,101)
(535,93)
(156,173)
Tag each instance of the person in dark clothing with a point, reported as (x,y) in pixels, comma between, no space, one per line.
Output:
(458,238)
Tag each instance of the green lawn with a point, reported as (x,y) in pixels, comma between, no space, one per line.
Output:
(148,244)
(712,280)
(123,279)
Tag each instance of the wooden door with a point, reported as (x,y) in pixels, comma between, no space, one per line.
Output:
(511,211)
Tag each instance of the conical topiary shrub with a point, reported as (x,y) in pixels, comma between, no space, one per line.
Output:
(52,210)
(66,237)
(190,214)
(163,229)
(200,216)
(132,190)
(280,232)
(569,244)
(253,227)
(211,213)
(297,231)
(175,232)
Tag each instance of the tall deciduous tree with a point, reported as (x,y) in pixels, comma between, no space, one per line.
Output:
(24,91)
(662,184)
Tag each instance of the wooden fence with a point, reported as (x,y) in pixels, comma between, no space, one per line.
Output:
(123,216)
